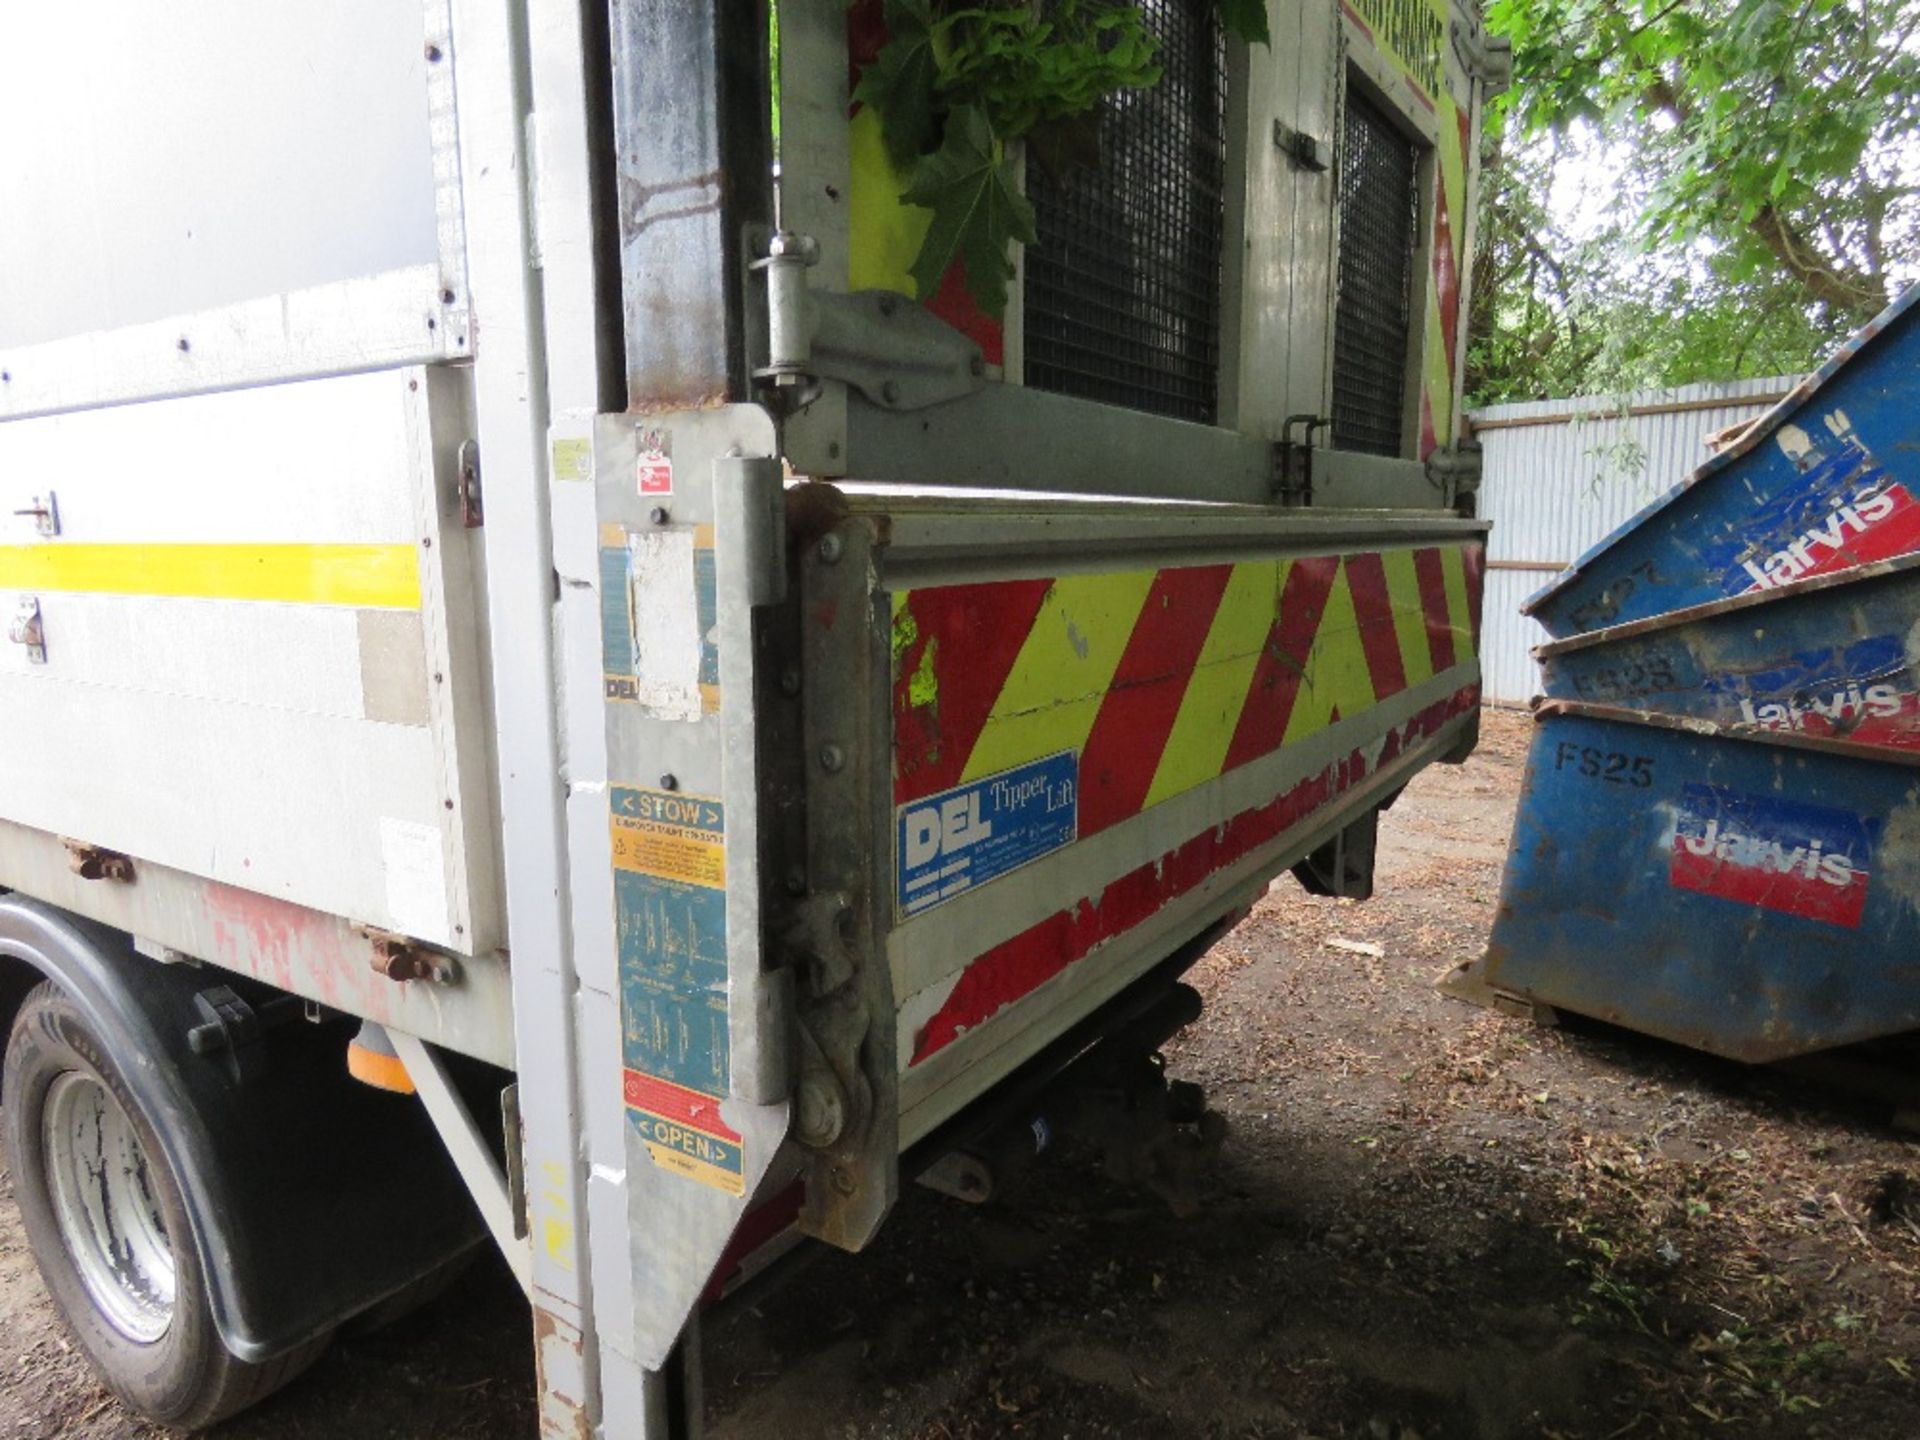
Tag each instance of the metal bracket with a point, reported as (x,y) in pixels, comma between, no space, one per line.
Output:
(895,352)
(1293,459)
(28,630)
(472,513)
(232,1028)
(46,513)
(1484,57)
(1303,151)
(1455,470)
(96,862)
(399,958)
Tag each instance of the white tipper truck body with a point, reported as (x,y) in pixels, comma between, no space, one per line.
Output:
(505,589)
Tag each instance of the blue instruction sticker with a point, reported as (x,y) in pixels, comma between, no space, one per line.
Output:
(957,841)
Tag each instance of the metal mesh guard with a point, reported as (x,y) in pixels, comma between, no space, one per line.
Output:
(1373,323)
(1123,290)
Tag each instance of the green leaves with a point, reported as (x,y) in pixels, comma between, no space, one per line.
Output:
(975,77)
(977,210)
(1246,19)
(1769,136)
(900,84)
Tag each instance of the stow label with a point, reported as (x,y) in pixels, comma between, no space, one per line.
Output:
(960,839)
(670,917)
(1783,855)
(1846,511)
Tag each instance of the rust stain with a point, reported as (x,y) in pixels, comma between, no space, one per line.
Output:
(562,1416)
(649,399)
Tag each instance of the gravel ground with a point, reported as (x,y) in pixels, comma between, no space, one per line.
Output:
(1428,1221)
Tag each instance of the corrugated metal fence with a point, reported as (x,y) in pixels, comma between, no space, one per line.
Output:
(1563,474)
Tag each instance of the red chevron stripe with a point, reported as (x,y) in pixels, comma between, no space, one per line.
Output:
(1433,602)
(1475,560)
(1367,578)
(1136,717)
(1276,678)
(977,631)
(1015,969)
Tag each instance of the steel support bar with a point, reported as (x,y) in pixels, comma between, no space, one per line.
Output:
(472,1156)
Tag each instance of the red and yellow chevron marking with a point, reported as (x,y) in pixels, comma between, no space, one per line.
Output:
(1019,966)
(1162,680)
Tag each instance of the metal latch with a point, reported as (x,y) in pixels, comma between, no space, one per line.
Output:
(28,630)
(472,513)
(45,511)
(1304,151)
(403,959)
(896,353)
(96,862)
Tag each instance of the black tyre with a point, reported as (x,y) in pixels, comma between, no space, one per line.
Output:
(110,1231)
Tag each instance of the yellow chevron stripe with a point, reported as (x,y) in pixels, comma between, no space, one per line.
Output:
(1453,567)
(1337,677)
(1217,692)
(359,575)
(1054,691)
(1409,617)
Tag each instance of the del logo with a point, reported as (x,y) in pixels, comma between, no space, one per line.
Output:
(954,842)
(1846,511)
(1798,859)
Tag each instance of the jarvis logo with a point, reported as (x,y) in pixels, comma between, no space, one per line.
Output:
(952,843)
(1805,860)
(1846,511)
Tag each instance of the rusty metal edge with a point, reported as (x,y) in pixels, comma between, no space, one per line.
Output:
(1711,730)
(1652,624)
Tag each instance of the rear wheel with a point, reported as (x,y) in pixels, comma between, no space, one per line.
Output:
(110,1230)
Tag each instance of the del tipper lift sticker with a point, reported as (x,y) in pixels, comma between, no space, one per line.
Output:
(670,915)
(952,842)
(1784,855)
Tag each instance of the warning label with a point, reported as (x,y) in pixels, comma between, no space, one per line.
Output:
(670,918)
(671,837)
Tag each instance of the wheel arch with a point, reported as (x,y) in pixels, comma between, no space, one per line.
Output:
(311,1197)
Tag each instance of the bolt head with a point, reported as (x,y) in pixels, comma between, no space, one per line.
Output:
(830,549)
(658,515)
(669,781)
(832,759)
(823,1117)
(790,680)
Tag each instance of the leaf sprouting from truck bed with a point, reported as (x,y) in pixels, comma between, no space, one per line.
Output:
(977,210)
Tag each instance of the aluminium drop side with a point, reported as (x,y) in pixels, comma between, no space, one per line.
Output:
(710,727)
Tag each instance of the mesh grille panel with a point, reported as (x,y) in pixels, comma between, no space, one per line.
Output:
(1373,322)
(1123,290)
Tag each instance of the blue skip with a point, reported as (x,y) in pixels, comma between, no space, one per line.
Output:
(1718,838)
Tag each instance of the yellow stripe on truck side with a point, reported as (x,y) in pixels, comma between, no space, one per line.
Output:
(361,576)
(1054,692)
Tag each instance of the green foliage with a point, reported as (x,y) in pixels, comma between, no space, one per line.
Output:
(976,209)
(1779,130)
(1246,19)
(1568,306)
(901,82)
(954,84)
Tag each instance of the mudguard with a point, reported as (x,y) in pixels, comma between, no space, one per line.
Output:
(312,1196)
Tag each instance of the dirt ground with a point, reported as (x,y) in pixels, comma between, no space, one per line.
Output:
(1429,1221)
